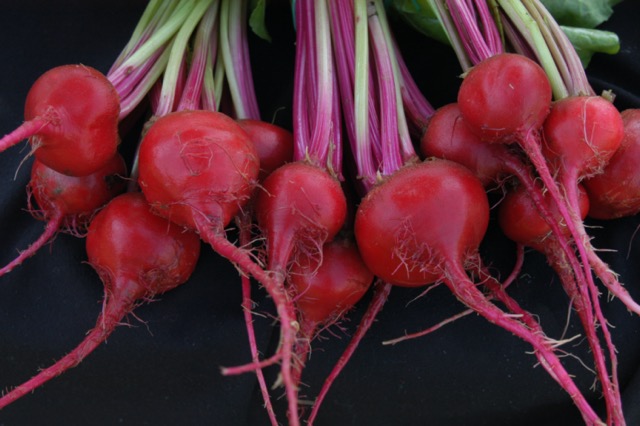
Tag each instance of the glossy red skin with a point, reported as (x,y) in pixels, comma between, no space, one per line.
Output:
(505,97)
(197,163)
(76,197)
(581,133)
(126,243)
(521,222)
(274,144)
(324,291)
(615,193)
(448,137)
(300,205)
(83,108)
(434,212)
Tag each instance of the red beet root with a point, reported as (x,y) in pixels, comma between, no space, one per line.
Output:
(520,220)
(300,209)
(67,203)
(615,192)
(447,136)
(393,220)
(137,255)
(199,169)
(423,225)
(326,287)
(71,115)
(273,143)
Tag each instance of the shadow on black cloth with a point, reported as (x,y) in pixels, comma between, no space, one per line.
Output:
(165,370)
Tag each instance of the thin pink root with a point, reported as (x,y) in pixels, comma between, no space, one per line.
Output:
(24,131)
(429,330)
(588,290)
(469,294)
(611,282)
(586,294)
(107,322)
(484,276)
(245,237)
(380,296)
(517,267)
(53,225)
(253,347)
(595,316)
(531,146)
(286,313)
(252,366)
(302,349)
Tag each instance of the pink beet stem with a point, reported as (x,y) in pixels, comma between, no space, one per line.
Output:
(24,131)
(114,310)
(53,225)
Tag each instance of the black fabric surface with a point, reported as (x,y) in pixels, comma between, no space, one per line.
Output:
(163,369)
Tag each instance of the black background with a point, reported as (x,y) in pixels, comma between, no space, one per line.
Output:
(164,369)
